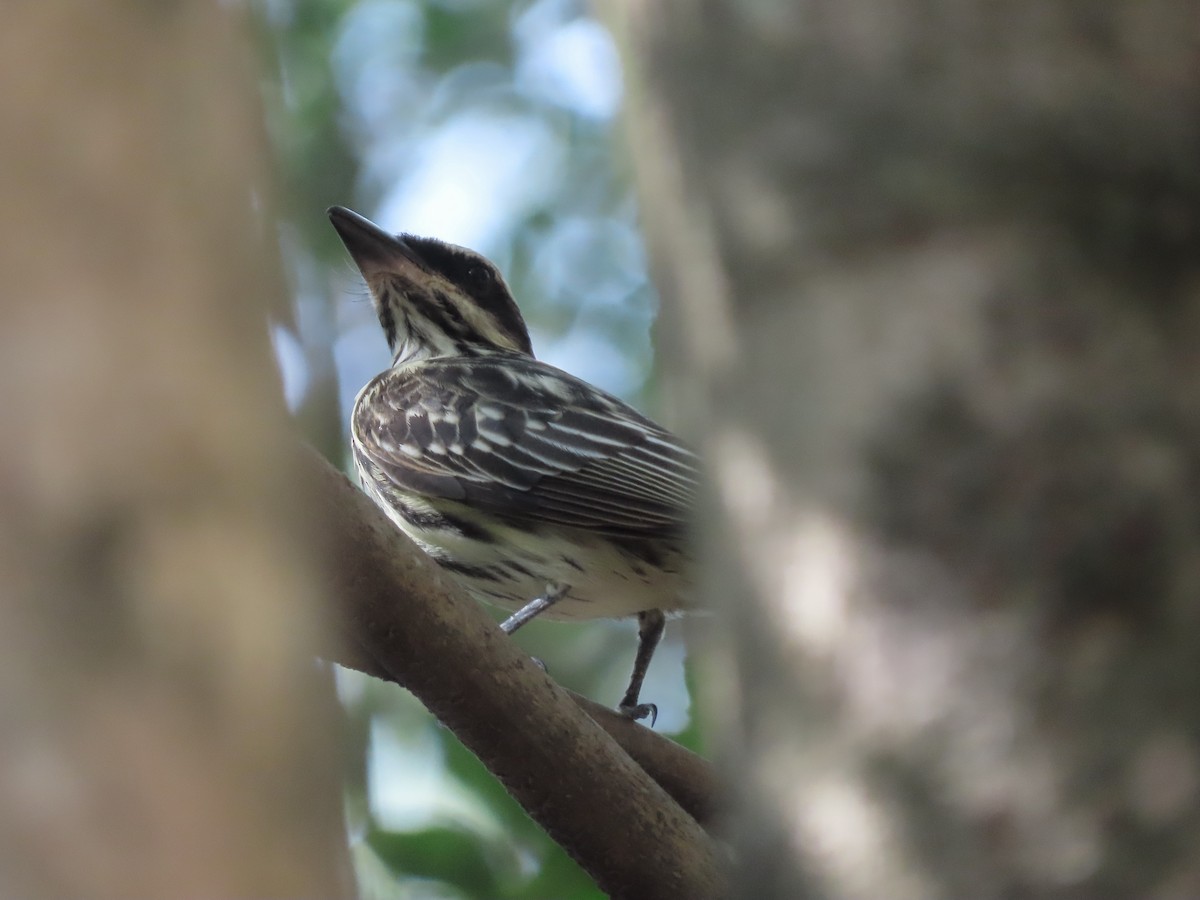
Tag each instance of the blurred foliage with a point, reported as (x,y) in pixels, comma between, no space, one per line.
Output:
(490,124)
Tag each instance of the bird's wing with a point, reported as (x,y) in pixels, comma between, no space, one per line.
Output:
(518,438)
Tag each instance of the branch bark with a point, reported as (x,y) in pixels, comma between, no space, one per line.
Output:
(406,622)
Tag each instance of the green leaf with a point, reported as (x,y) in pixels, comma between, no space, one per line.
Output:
(560,878)
(451,855)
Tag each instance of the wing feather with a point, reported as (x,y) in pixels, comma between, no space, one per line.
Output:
(518,438)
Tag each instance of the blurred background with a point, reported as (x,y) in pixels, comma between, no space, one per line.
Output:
(495,125)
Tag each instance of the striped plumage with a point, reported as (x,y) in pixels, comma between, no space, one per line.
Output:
(520,479)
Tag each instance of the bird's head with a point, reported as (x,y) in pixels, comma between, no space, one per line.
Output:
(433,298)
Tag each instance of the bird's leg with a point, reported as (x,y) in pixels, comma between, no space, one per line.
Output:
(650,631)
(554,593)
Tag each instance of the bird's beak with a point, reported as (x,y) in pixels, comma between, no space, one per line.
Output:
(373,249)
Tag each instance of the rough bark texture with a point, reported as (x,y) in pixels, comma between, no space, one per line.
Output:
(159,735)
(936,268)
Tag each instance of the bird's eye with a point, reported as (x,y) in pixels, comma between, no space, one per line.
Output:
(479,276)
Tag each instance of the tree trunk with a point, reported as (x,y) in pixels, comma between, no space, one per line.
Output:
(936,273)
(159,735)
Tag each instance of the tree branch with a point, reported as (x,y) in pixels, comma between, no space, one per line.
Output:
(409,624)
(689,779)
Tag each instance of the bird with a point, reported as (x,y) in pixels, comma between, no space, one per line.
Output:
(537,491)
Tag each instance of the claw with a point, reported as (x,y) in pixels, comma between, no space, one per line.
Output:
(639,712)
